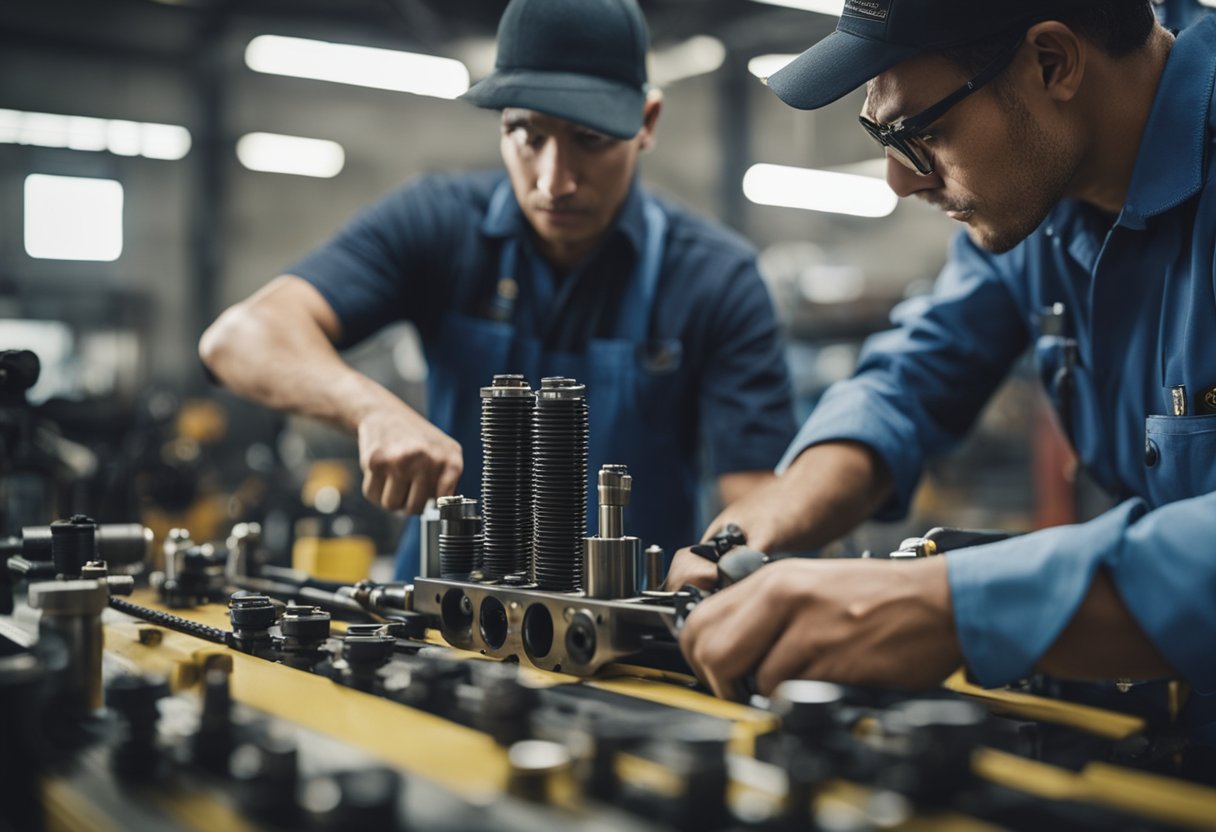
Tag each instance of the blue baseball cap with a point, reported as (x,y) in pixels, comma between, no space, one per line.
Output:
(875,35)
(579,60)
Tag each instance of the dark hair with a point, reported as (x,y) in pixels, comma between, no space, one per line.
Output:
(1117,27)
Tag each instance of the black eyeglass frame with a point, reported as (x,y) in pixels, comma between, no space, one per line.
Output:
(900,135)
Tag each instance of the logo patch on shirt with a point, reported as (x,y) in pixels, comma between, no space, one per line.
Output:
(871,9)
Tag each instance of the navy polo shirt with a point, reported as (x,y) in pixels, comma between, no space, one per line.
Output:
(427,250)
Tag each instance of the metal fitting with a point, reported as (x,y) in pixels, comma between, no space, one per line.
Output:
(242,543)
(71,611)
(610,567)
(653,569)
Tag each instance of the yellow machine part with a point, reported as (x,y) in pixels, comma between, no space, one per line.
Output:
(346,559)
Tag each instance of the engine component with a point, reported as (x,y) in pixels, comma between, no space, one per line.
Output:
(71,610)
(134,699)
(214,741)
(73,544)
(365,653)
(304,630)
(559,484)
(460,537)
(252,616)
(507,704)
(610,565)
(267,774)
(121,544)
(653,568)
(541,771)
(507,408)
(242,544)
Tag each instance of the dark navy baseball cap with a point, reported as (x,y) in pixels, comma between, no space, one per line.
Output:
(580,60)
(875,35)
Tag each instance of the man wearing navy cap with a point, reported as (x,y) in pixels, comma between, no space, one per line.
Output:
(564,265)
(1074,143)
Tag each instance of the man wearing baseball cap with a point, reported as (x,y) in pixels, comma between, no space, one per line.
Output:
(564,265)
(1073,141)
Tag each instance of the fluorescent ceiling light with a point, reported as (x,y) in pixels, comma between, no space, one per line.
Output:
(275,153)
(766,66)
(818,190)
(72,218)
(832,7)
(362,66)
(118,136)
(699,55)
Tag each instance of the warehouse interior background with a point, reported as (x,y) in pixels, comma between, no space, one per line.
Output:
(133,210)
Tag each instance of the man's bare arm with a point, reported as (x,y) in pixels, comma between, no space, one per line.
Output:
(276,348)
(828,490)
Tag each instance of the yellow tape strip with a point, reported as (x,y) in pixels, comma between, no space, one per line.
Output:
(1103,723)
(1151,796)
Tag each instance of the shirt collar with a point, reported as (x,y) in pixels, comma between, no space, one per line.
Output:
(1169,166)
(630,221)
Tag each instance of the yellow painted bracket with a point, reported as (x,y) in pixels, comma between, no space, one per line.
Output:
(1103,723)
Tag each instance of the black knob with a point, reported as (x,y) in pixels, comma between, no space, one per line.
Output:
(134,699)
(73,544)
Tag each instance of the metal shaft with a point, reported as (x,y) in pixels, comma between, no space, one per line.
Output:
(611,558)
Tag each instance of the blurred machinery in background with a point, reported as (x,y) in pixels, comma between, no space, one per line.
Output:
(533,683)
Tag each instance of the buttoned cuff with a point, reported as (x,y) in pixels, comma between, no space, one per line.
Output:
(852,411)
(1012,599)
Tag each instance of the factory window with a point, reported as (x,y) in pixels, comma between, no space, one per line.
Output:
(72,218)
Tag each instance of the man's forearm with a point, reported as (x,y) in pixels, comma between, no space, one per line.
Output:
(272,350)
(827,491)
(1103,641)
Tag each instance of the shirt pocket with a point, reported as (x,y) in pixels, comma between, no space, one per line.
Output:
(1180,457)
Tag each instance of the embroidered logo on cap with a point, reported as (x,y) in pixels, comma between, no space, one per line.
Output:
(872,9)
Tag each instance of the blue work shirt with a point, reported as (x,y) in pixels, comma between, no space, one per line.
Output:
(1139,301)
(430,250)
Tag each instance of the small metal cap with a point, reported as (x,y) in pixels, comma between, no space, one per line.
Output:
(507,387)
(560,387)
(456,507)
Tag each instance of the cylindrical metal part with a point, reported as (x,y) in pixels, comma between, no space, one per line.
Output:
(242,546)
(541,772)
(559,484)
(174,549)
(72,610)
(460,537)
(507,407)
(653,568)
(73,544)
(614,486)
(120,544)
(611,568)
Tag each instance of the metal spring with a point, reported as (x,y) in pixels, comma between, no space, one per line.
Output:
(172,622)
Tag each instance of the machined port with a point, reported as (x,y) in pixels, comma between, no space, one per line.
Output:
(493,617)
(456,617)
(581,638)
(538,631)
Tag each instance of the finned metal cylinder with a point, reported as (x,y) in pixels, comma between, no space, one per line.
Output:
(460,537)
(559,484)
(610,564)
(652,568)
(507,407)
(73,544)
(71,611)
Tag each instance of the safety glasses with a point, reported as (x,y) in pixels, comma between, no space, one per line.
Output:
(905,137)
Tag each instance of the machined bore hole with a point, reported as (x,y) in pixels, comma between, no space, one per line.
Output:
(581,639)
(455,616)
(538,631)
(493,622)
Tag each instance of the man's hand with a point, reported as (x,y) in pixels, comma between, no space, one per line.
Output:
(406,460)
(849,621)
(687,568)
